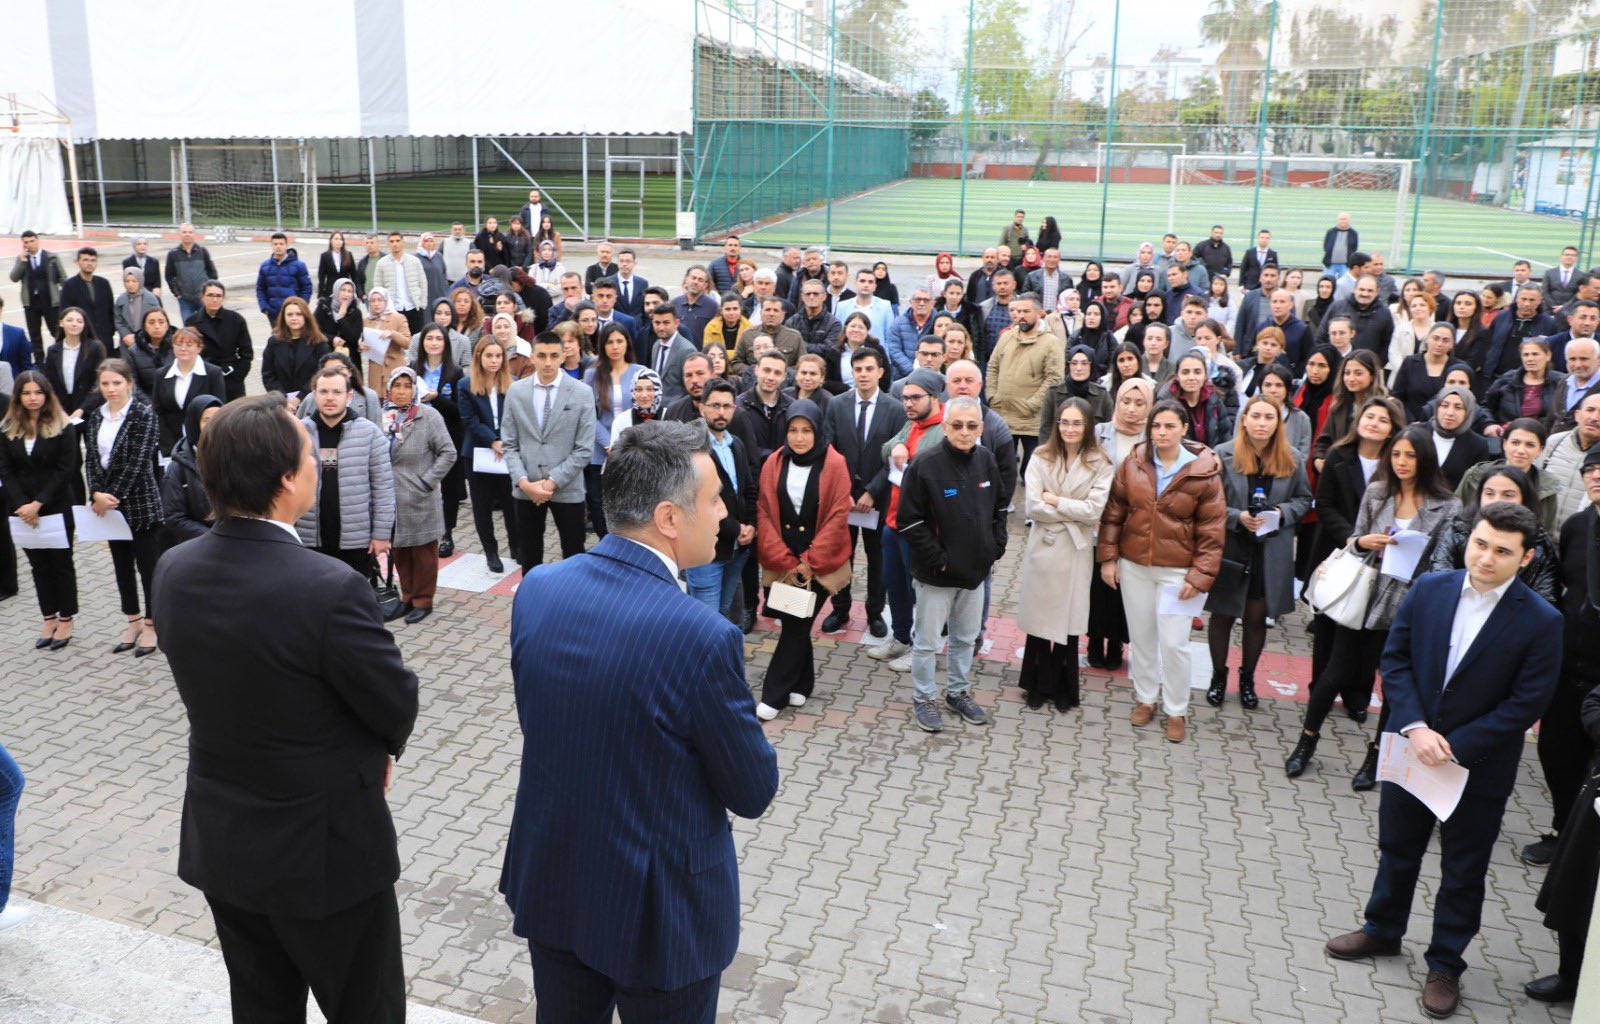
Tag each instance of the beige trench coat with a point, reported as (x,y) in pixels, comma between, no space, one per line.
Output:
(1058,562)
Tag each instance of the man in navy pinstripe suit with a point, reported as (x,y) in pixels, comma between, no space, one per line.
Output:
(639,737)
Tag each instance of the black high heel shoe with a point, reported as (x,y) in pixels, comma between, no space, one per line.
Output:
(44,641)
(127,645)
(61,641)
(141,651)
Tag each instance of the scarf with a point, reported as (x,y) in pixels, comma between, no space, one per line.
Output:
(1093,338)
(1079,388)
(1319,305)
(653,411)
(1312,395)
(1466,399)
(805,409)
(1090,290)
(397,419)
(545,264)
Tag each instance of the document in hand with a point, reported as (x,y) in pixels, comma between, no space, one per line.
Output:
(1439,787)
(484,460)
(374,346)
(1401,555)
(92,527)
(50,533)
(1271,519)
(1170,604)
(867,520)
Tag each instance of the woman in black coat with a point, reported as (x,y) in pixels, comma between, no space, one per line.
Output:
(1459,448)
(121,435)
(184,505)
(1507,397)
(294,350)
(187,378)
(442,382)
(1542,574)
(39,477)
(341,321)
(335,264)
(149,352)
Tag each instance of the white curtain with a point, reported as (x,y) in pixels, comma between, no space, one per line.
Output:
(33,185)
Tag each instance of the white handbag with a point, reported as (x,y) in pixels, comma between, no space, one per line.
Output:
(1341,588)
(801,602)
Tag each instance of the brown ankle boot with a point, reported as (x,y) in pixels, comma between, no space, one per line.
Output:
(1142,714)
(1177,725)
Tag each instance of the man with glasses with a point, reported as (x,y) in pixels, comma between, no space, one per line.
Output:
(818,327)
(907,329)
(227,337)
(715,583)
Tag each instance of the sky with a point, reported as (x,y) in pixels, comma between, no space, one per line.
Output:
(1147,26)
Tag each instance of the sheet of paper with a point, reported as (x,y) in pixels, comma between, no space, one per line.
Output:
(867,520)
(1400,557)
(50,533)
(1271,520)
(484,460)
(93,528)
(896,475)
(374,346)
(1169,604)
(1439,787)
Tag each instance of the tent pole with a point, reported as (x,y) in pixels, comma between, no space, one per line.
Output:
(372,182)
(100,173)
(477,214)
(77,190)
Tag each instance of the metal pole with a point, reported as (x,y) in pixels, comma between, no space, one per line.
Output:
(833,78)
(77,191)
(477,213)
(966,138)
(100,174)
(606,220)
(1591,217)
(1111,108)
(677,176)
(183,164)
(1261,119)
(585,159)
(1427,136)
(372,182)
(277,198)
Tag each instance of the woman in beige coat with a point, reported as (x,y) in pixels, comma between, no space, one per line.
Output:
(394,338)
(1068,481)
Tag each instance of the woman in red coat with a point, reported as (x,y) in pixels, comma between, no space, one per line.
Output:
(802,538)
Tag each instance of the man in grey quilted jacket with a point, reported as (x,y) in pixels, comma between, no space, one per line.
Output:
(353,518)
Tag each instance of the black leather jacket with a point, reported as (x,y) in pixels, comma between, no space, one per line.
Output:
(1543,574)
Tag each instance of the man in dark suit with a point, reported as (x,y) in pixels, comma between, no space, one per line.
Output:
(621,870)
(1252,313)
(39,272)
(1254,259)
(1471,663)
(604,295)
(630,286)
(291,749)
(860,422)
(601,267)
(92,294)
(666,351)
(1560,281)
(716,582)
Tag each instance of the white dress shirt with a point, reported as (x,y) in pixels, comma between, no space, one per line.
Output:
(1442,446)
(69,365)
(1473,609)
(180,390)
(666,559)
(110,423)
(285,527)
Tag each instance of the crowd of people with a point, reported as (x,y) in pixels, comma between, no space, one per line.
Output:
(1199,443)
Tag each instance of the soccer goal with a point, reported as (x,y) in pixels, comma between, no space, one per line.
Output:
(269,185)
(1308,192)
(1118,161)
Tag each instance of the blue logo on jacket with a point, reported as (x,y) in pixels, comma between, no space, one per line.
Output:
(951,492)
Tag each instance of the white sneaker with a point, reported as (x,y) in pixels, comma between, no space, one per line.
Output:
(985,647)
(766,713)
(13,916)
(902,663)
(1271,622)
(797,700)
(885,652)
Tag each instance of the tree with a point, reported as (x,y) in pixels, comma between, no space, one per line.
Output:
(876,36)
(1001,74)
(930,115)
(1239,26)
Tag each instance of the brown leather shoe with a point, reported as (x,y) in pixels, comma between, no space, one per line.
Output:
(1142,714)
(1176,727)
(1360,946)
(1441,994)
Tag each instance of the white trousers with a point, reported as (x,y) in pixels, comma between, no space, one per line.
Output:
(1159,657)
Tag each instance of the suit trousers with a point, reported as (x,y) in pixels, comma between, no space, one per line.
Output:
(350,961)
(530,529)
(139,554)
(593,498)
(1466,842)
(55,580)
(870,541)
(566,991)
(897,582)
(418,568)
(1564,746)
(41,317)
(490,491)
(1158,659)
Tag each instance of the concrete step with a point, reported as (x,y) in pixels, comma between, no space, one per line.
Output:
(63,967)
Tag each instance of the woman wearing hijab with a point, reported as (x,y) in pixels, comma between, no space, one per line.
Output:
(128,311)
(442,381)
(1067,481)
(548,268)
(1108,620)
(186,511)
(1454,442)
(1097,335)
(944,269)
(394,337)
(421,454)
(802,538)
(341,319)
(1144,286)
(1049,235)
(1317,307)
(1078,383)
(886,289)
(1089,284)
(646,404)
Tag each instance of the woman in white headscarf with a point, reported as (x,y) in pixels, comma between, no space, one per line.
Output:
(387,349)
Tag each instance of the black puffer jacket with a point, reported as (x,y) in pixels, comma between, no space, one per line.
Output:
(1543,574)
(183,500)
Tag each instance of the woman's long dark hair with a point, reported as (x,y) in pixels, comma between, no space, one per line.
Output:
(602,369)
(1430,481)
(446,359)
(1525,486)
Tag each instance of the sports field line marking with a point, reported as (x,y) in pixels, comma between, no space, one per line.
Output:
(1507,255)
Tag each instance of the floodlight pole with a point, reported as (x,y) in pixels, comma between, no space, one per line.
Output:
(372,181)
(1591,201)
(1111,109)
(966,140)
(1261,120)
(833,82)
(1427,134)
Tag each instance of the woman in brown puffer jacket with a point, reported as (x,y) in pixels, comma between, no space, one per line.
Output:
(1163,529)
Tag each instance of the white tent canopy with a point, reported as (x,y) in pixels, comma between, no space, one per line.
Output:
(354,68)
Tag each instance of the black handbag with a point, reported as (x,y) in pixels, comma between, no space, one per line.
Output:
(386,592)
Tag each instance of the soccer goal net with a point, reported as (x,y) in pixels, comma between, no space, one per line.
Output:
(269,185)
(1122,162)
(1300,195)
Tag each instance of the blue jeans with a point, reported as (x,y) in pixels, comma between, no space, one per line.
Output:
(1336,270)
(186,309)
(897,580)
(10,793)
(714,583)
(963,611)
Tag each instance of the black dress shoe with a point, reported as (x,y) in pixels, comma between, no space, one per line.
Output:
(1539,852)
(748,623)
(1295,766)
(834,623)
(447,547)
(1366,776)
(41,643)
(416,615)
(1217,692)
(144,652)
(1113,657)
(1552,988)
(877,627)
(495,565)
(56,645)
(400,610)
(1247,693)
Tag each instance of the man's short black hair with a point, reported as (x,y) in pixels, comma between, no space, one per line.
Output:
(608,283)
(714,385)
(279,234)
(251,445)
(547,338)
(1507,517)
(1358,259)
(866,352)
(1003,272)
(89,250)
(30,233)
(664,309)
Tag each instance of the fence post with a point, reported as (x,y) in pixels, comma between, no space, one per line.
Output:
(277,199)
(477,213)
(372,181)
(1261,120)
(1111,108)
(584,157)
(1427,135)
(100,173)
(966,138)
(833,79)
(183,167)
(1591,202)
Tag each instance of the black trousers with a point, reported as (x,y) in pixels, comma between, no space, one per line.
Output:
(491,491)
(567,991)
(414,320)
(131,557)
(1564,746)
(350,961)
(45,317)
(593,498)
(793,668)
(530,530)
(55,581)
(1026,443)
(1051,670)
(1349,673)
(872,542)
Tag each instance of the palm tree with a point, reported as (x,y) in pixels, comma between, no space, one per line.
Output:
(1240,26)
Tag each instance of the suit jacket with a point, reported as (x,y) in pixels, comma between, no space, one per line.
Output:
(562,449)
(633,302)
(54,276)
(49,475)
(620,846)
(284,811)
(681,348)
(1556,293)
(15,349)
(85,392)
(165,399)
(1250,267)
(869,472)
(738,498)
(1501,687)
(96,300)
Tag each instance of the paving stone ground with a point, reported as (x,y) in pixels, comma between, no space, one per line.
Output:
(1046,868)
